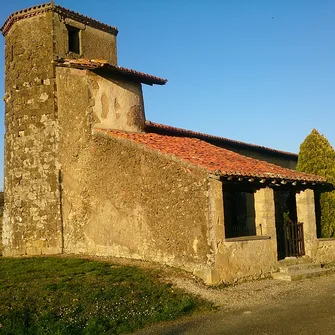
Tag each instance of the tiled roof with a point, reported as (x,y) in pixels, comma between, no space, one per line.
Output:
(95,64)
(215,160)
(47,7)
(174,131)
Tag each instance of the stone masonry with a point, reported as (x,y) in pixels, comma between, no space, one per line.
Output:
(32,219)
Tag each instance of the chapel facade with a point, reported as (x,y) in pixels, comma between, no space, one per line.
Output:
(86,173)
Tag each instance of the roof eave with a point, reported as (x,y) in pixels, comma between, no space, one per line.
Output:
(273,181)
(121,71)
(285,177)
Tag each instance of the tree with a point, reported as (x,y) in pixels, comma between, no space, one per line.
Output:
(317,156)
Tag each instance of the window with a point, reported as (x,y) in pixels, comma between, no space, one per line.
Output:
(74,39)
(239,213)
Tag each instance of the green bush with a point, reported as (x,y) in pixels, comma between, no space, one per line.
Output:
(327,220)
(317,156)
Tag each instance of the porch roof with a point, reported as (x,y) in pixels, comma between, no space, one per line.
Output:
(215,160)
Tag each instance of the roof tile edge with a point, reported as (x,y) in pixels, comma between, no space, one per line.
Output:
(46,7)
(104,64)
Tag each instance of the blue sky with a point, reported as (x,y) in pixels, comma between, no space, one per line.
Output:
(257,71)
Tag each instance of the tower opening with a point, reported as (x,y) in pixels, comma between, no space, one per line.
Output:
(74,40)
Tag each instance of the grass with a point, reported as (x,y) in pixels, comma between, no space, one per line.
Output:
(78,296)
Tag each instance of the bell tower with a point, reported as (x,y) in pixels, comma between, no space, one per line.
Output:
(34,38)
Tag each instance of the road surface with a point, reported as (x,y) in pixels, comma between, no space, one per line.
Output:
(308,308)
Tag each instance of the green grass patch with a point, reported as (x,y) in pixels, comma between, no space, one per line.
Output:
(78,296)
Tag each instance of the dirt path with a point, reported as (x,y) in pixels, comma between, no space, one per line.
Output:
(253,293)
(232,297)
(267,307)
(308,311)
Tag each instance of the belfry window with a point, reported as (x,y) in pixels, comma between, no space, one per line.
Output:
(74,39)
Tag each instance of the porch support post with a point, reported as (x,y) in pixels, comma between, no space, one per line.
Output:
(215,231)
(265,216)
(306,214)
(216,215)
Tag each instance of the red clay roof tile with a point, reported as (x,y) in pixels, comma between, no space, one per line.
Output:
(165,129)
(104,64)
(214,159)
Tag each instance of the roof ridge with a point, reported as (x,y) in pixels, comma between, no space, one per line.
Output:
(212,158)
(51,6)
(195,133)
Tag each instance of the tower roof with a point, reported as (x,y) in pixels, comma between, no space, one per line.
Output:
(96,64)
(51,7)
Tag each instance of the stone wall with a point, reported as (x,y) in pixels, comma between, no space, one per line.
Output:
(32,218)
(325,250)
(249,256)
(248,259)
(286,161)
(118,104)
(32,215)
(95,43)
(306,214)
(120,198)
(1,217)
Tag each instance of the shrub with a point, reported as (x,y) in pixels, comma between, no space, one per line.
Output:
(317,156)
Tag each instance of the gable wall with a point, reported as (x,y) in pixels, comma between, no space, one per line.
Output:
(121,199)
(277,159)
(264,155)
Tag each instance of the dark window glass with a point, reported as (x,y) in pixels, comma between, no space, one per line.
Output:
(239,213)
(74,41)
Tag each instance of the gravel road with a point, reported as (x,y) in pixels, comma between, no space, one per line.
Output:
(267,307)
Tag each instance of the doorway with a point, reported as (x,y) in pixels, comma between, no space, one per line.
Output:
(289,232)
